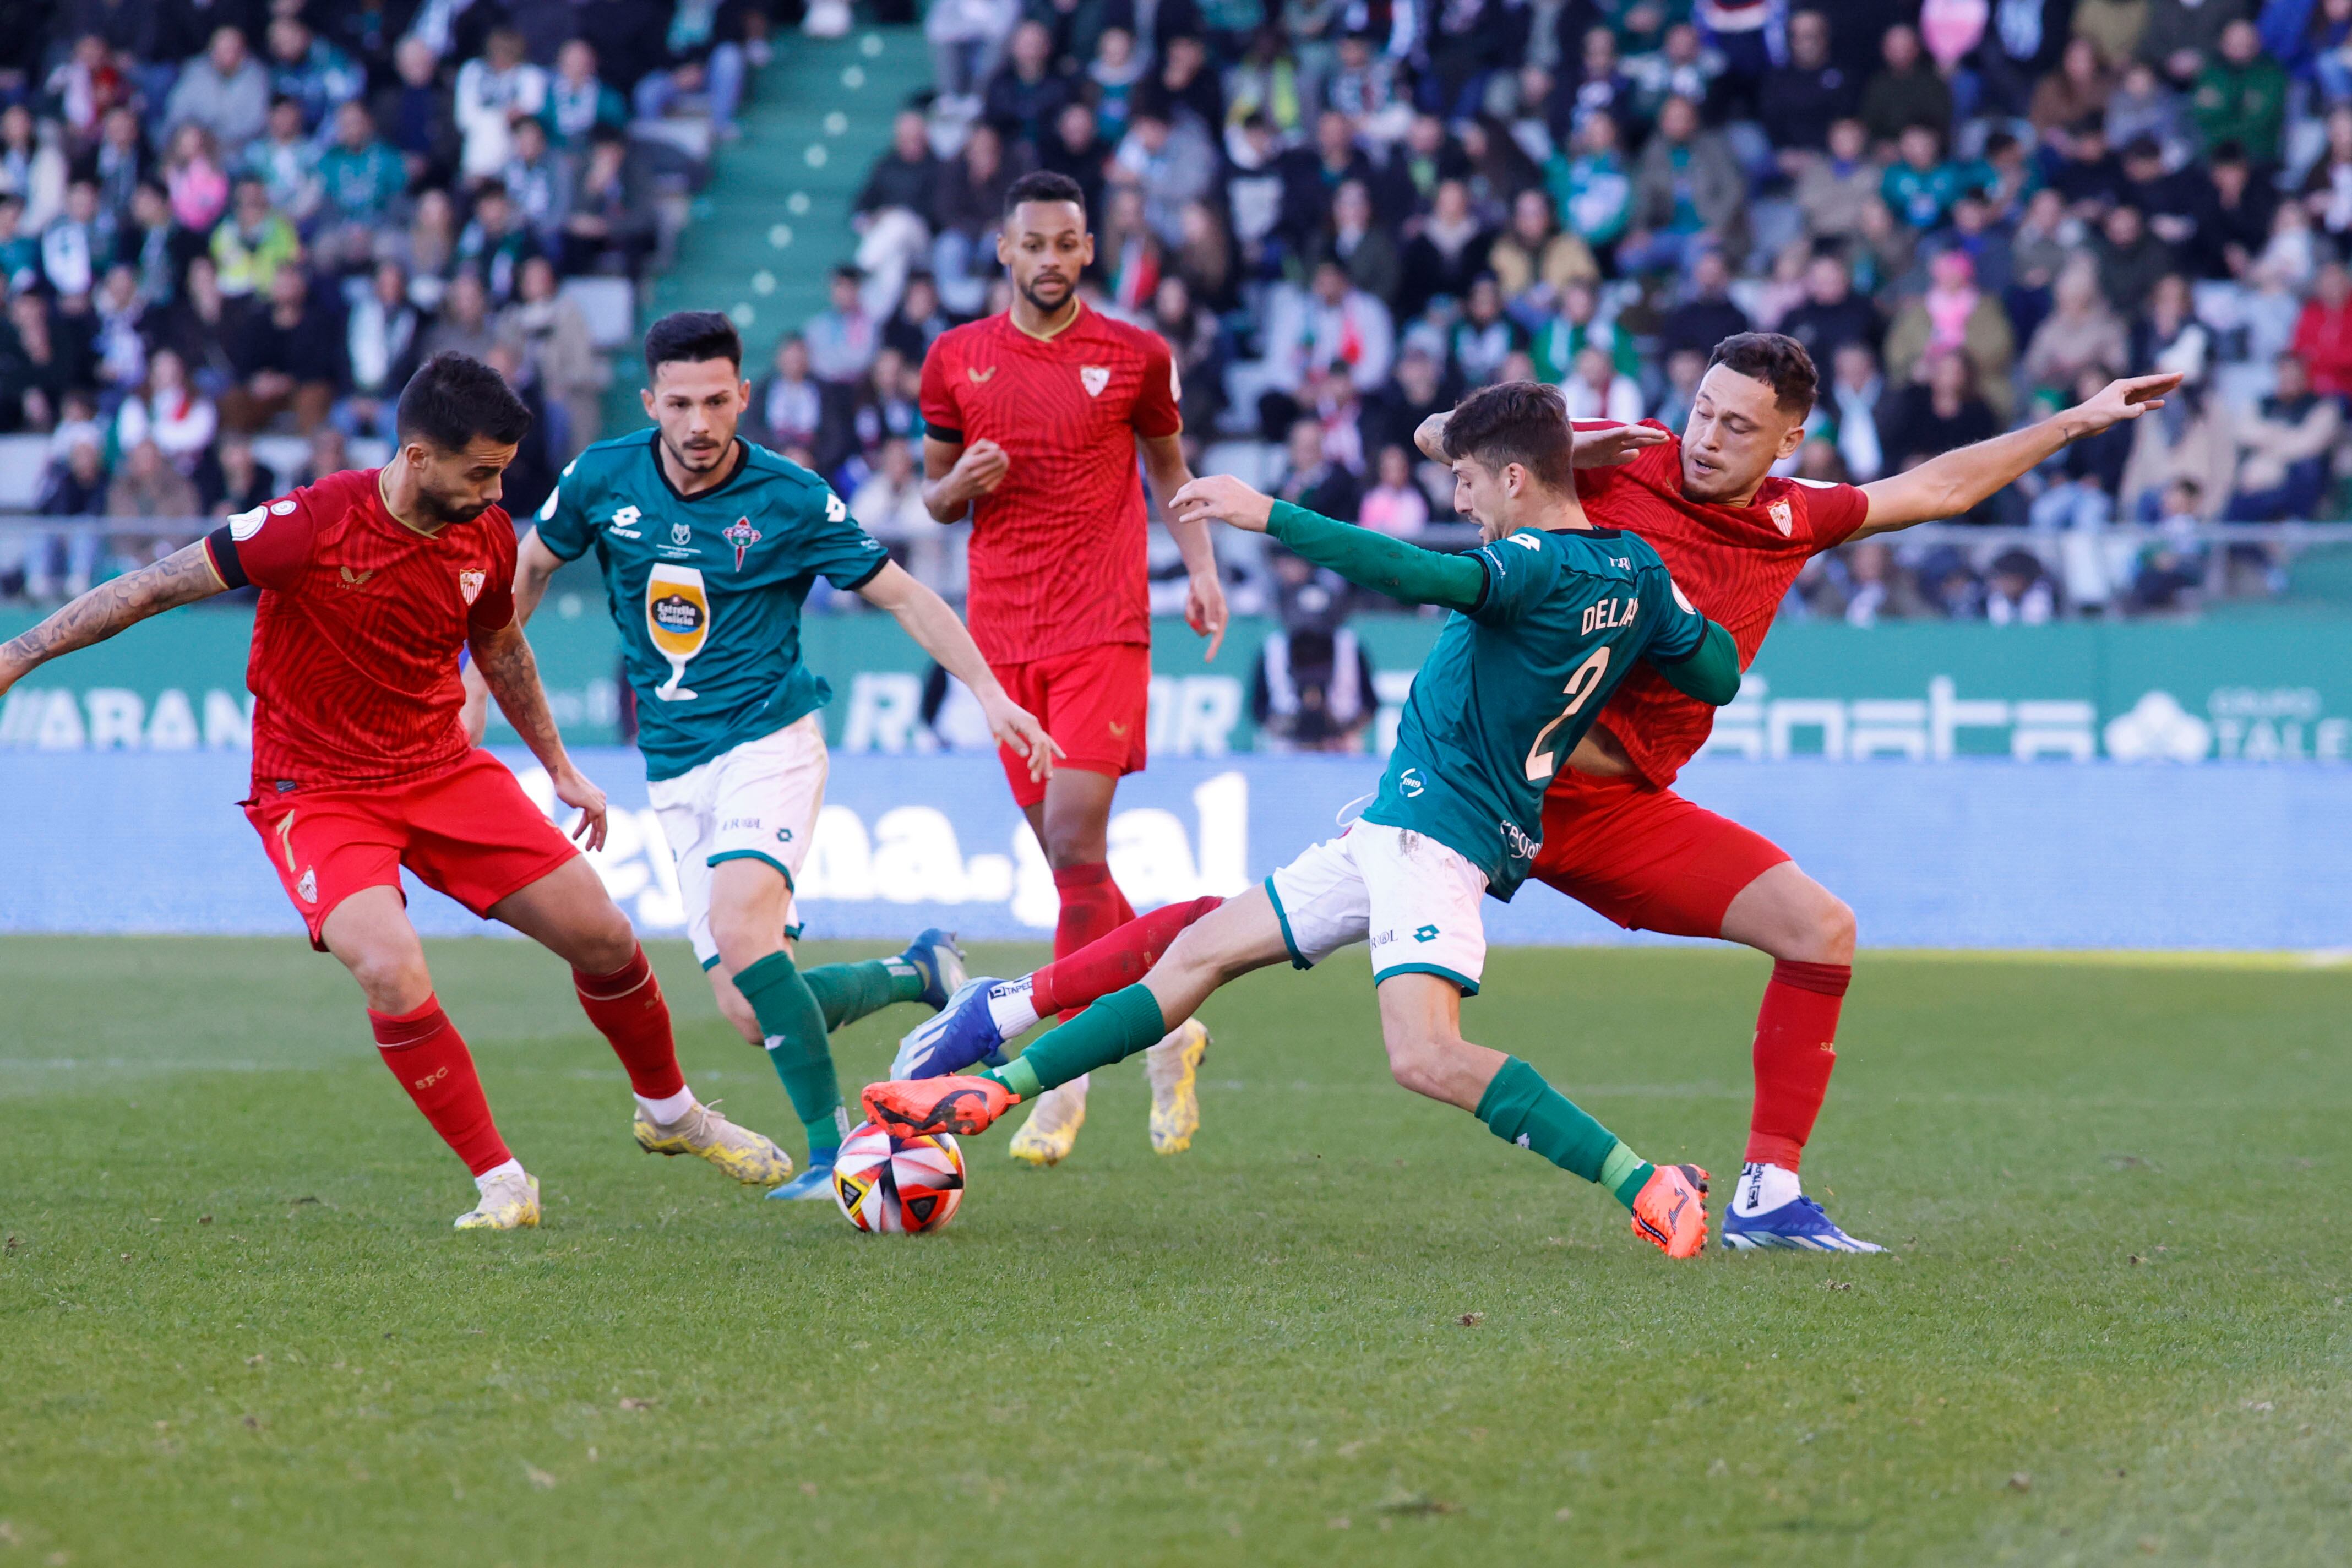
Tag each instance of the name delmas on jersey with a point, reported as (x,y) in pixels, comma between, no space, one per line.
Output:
(1608,615)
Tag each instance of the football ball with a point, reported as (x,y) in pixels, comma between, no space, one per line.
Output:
(898,1185)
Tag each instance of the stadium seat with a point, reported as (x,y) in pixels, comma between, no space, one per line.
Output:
(610,304)
(22,461)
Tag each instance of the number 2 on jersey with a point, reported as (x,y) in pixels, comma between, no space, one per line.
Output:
(1581,685)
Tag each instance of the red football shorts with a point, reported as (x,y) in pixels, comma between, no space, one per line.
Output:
(470,832)
(1094,701)
(1647,858)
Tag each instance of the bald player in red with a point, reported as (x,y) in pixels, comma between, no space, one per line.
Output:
(1618,839)
(371,582)
(1032,420)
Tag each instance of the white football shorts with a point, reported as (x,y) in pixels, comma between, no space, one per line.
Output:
(757,801)
(1415,899)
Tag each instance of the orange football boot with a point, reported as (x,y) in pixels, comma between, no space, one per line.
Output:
(963,1105)
(1671,1210)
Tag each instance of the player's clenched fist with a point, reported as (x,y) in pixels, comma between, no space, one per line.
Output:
(981,468)
(1221,497)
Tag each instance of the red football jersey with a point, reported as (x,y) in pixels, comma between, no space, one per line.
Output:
(1058,552)
(1733,563)
(354,663)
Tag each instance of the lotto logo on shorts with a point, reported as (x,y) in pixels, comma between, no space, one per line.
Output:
(1426,934)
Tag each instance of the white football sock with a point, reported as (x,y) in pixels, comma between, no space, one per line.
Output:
(662,1113)
(1009,1008)
(1763,1188)
(513,1167)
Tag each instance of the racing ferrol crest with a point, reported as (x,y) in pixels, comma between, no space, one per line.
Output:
(742,536)
(469,585)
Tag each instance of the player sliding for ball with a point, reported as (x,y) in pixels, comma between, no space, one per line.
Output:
(709,545)
(1552,614)
(370,583)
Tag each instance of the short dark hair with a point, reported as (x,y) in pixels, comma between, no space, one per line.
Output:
(1780,362)
(455,399)
(1522,422)
(692,335)
(1044,185)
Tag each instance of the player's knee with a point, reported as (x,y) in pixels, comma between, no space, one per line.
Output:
(393,978)
(1418,1062)
(1833,929)
(606,942)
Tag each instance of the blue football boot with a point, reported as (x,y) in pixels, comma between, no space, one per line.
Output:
(813,1183)
(957,1037)
(1799,1224)
(936,956)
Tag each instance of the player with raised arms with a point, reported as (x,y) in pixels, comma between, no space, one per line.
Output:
(1551,616)
(371,580)
(708,545)
(1616,835)
(1031,422)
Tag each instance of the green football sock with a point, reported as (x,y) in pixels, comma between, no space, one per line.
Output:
(1520,1108)
(794,1024)
(848,992)
(1113,1030)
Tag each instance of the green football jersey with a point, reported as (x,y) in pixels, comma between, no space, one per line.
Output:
(1512,686)
(707,589)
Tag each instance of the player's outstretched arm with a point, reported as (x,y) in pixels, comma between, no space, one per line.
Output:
(511,673)
(1367,559)
(1607,447)
(180,578)
(1957,480)
(936,630)
(1711,673)
(1204,597)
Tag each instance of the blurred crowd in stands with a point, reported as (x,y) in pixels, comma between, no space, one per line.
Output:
(1342,214)
(234,226)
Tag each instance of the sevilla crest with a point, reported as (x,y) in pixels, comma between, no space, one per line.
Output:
(1094,378)
(1784,518)
(469,585)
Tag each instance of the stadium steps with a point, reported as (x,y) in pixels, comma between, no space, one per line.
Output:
(775,216)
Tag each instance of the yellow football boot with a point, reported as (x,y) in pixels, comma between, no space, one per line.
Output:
(1051,1130)
(749,1157)
(1174,1068)
(508,1203)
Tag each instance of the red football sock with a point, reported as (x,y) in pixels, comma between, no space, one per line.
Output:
(1092,907)
(429,1057)
(1796,1047)
(628,1009)
(1114,962)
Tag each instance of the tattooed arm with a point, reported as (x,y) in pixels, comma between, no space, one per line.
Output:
(511,673)
(181,578)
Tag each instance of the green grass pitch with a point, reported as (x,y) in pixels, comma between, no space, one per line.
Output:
(236,1327)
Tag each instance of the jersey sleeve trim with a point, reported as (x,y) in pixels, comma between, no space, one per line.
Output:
(935,431)
(867,577)
(220,555)
(1462,982)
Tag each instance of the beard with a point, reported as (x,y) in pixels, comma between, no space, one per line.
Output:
(446,509)
(1029,291)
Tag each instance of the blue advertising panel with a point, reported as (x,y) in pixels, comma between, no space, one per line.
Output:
(1970,853)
